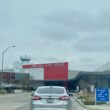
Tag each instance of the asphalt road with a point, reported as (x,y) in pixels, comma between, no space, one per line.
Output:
(14,102)
(22,102)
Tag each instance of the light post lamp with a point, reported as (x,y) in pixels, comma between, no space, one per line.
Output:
(3,53)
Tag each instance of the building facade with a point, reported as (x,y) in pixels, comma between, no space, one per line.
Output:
(50,71)
(14,79)
(47,74)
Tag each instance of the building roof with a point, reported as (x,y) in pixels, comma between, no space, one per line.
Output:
(76,74)
(105,67)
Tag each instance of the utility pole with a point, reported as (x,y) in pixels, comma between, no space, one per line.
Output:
(2,68)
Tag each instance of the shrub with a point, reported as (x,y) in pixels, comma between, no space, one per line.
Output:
(89,102)
(2,91)
(80,97)
(86,102)
(99,103)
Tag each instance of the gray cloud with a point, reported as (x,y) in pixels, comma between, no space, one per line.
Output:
(53,59)
(73,25)
(87,60)
(81,21)
(75,31)
(58,32)
(93,43)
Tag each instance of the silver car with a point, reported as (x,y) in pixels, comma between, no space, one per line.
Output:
(50,98)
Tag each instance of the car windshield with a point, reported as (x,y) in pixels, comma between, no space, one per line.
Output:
(50,91)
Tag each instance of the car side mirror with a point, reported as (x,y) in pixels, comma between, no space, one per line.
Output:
(70,94)
(32,94)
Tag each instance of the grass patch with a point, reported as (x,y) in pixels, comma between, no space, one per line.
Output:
(88,99)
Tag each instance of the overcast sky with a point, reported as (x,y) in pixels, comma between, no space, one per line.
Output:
(77,31)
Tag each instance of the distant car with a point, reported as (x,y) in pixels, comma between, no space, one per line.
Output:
(70,93)
(50,98)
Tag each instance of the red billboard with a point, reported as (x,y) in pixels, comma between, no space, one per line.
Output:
(52,71)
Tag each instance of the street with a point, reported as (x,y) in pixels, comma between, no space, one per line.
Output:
(22,102)
(15,102)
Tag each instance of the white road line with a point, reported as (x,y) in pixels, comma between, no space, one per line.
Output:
(9,102)
(11,106)
(7,96)
(20,105)
(12,95)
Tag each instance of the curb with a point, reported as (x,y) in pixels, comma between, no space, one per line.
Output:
(84,106)
(79,102)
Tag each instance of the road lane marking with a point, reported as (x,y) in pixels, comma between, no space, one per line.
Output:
(11,106)
(8,101)
(12,95)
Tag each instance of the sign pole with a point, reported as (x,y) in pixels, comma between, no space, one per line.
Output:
(95,96)
(108,95)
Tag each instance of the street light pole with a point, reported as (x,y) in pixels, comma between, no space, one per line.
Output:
(2,68)
(3,63)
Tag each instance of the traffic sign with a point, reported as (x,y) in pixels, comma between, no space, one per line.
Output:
(102,95)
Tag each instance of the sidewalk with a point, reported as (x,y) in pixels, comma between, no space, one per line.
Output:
(99,107)
(92,107)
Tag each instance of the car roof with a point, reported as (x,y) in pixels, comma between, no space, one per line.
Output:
(51,87)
